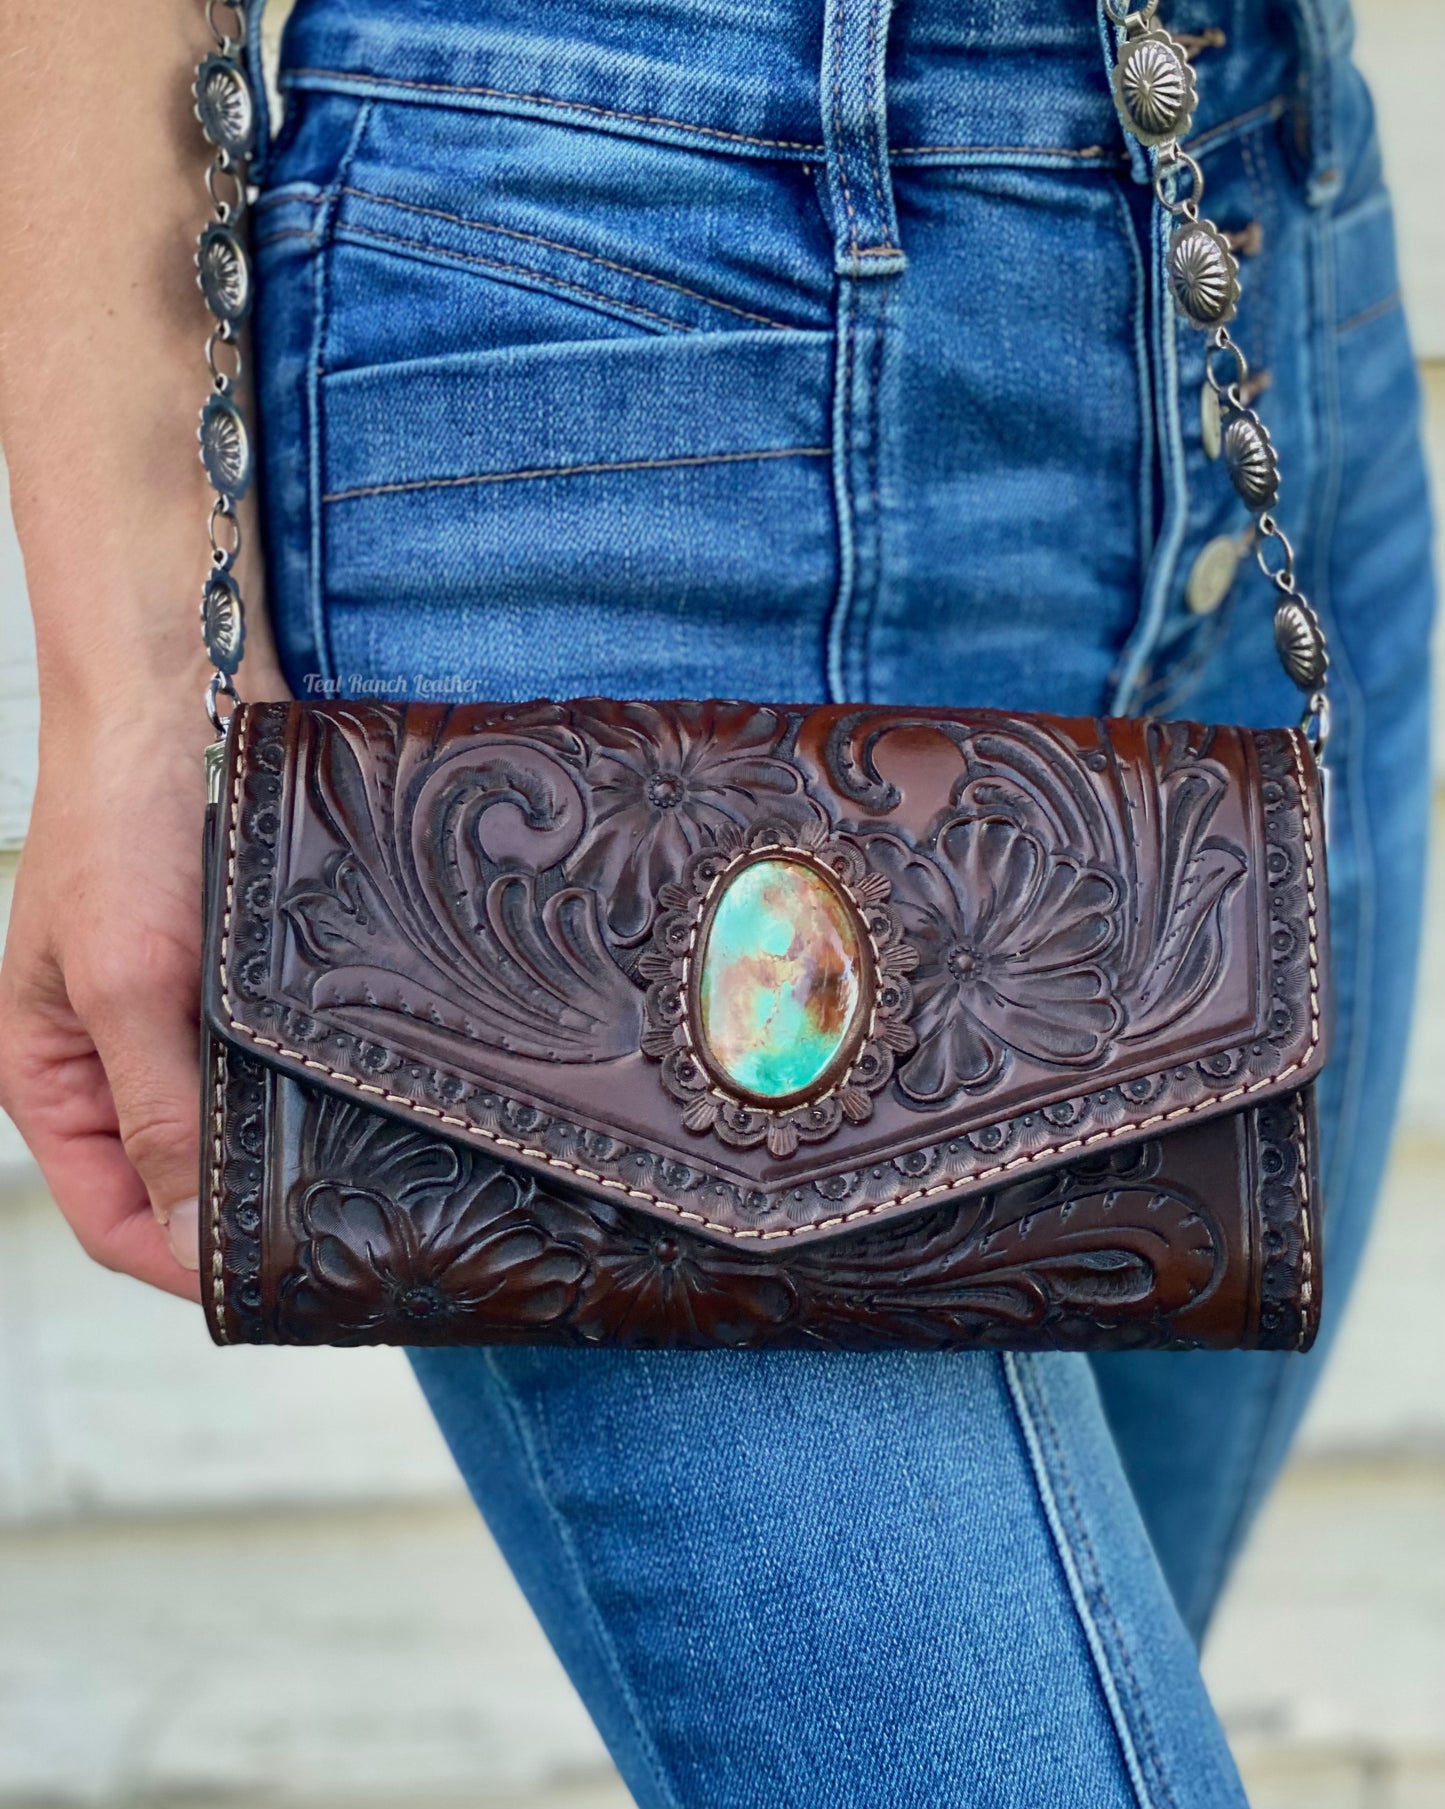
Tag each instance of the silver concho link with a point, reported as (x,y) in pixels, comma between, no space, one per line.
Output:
(1154,86)
(1249,458)
(1203,274)
(1156,95)
(226,108)
(224,272)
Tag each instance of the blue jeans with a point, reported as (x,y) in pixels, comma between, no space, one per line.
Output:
(784,350)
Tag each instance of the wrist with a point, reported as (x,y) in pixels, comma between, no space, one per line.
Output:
(135,645)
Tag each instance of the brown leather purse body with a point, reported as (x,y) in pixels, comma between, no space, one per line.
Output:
(728,1024)
(721,1024)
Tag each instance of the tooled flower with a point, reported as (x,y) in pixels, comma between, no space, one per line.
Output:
(650,1285)
(1010,937)
(664,780)
(413,1265)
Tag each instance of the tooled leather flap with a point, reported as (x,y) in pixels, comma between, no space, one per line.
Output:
(777,971)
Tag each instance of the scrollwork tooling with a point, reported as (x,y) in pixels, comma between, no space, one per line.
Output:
(494,882)
(395,1236)
(1070,914)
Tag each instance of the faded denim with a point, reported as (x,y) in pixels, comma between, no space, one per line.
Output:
(780,349)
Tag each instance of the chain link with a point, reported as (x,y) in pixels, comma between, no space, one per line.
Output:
(1171,161)
(1155,93)
(225,107)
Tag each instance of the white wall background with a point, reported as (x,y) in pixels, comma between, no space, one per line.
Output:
(146,1481)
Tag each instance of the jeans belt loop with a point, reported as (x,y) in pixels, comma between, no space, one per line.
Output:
(855,138)
(1322,33)
(255,56)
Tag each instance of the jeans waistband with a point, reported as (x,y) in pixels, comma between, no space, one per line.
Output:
(962,80)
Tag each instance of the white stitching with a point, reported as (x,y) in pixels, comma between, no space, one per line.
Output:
(1272,1081)
(1307,1258)
(218,1266)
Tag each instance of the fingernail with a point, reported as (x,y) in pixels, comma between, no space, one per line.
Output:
(183,1234)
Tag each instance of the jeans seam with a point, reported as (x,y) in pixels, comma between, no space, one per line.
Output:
(316,433)
(1134,1693)
(297,78)
(1387,304)
(1013,1365)
(1026,155)
(286,232)
(1266,113)
(861,637)
(605,1644)
(840,140)
(405,486)
(877,155)
(576,251)
(352,234)
(1164,558)
(842,493)
(1324,402)
(283,193)
(1139,313)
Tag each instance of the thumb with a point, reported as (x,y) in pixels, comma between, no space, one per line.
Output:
(153,1066)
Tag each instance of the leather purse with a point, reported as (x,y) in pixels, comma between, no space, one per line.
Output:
(714,1023)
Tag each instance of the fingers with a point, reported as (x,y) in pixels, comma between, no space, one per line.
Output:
(99,1058)
(143,1018)
(55,1089)
(107,1101)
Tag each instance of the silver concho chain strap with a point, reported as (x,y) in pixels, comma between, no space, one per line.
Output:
(226,109)
(1154,89)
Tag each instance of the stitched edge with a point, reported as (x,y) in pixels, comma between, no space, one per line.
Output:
(877,135)
(1003,150)
(322,271)
(1272,109)
(371,234)
(287,232)
(576,251)
(1027,1384)
(218,1264)
(840,156)
(1376,311)
(507,477)
(913,1197)
(1263,114)
(1307,1255)
(357,76)
(533,1435)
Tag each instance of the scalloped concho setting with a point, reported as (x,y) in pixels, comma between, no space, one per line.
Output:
(778,996)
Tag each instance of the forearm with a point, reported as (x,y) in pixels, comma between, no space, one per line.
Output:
(101,332)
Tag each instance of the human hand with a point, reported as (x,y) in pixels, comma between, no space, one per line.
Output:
(99,987)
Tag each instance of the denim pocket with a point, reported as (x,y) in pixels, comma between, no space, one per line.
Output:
(570,413)
(641,516)
(457,230)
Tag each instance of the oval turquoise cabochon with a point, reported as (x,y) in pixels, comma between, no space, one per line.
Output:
(781,977)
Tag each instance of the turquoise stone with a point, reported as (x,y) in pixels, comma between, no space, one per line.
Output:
(781,977)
